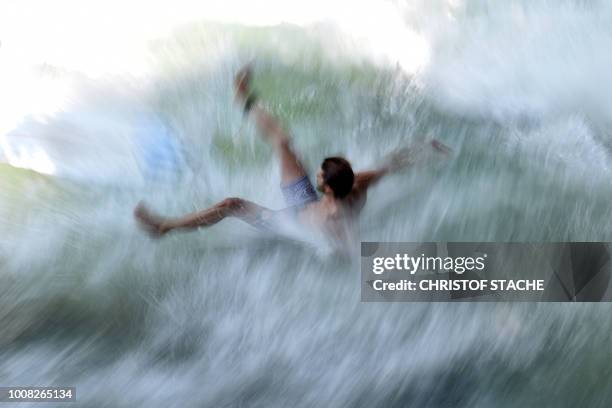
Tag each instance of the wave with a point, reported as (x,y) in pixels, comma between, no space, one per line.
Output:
(227,316)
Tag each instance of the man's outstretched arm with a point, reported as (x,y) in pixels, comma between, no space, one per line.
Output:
(391,164)
(394,163)
(291,166)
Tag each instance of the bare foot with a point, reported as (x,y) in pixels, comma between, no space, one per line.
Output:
(242,82)
(151,223)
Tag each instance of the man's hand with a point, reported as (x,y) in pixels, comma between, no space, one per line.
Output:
(441,147)
(409,155)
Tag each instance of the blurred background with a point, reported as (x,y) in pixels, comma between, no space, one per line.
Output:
(104,103)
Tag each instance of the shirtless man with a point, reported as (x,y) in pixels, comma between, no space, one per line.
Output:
(344,193)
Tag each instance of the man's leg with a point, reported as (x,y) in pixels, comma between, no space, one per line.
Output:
(291,166)
(230,207)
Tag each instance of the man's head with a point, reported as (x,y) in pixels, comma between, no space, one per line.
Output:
(335,176)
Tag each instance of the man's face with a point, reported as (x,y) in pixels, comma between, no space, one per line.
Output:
(320,182)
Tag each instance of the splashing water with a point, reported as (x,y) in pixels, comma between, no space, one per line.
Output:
(228,316)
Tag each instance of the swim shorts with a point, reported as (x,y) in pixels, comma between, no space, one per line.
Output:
(299,192)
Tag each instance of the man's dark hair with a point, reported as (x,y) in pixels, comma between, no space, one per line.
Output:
(338,175)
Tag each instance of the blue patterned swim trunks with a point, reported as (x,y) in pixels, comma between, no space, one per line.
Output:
(299,193)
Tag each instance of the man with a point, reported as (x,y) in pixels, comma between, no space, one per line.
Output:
(344,192)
